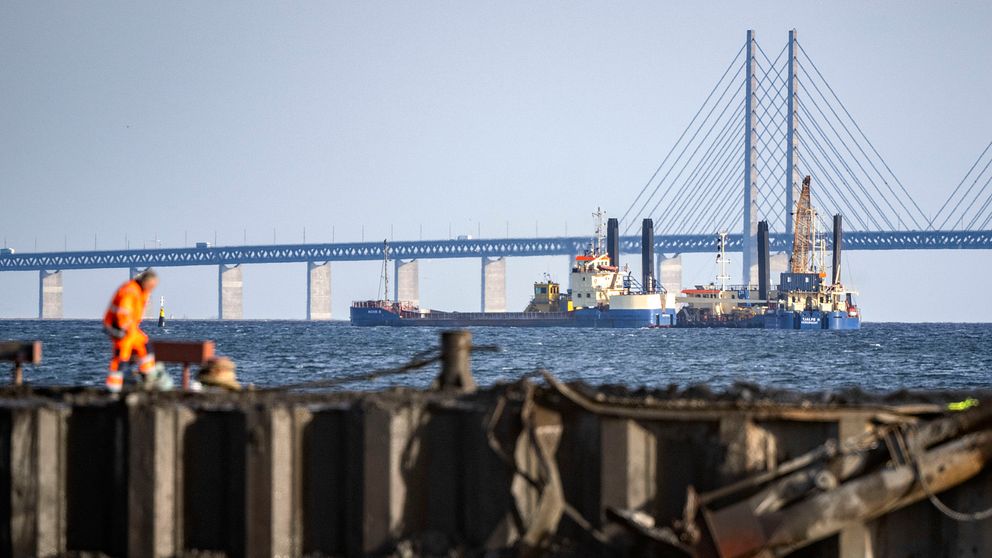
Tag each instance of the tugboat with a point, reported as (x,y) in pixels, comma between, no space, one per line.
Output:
(601,294)
(802,300)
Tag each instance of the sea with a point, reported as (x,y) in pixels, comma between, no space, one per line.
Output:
(881,357)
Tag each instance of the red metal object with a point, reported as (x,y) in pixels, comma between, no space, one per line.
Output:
(20,353)
(185,353)
(736,530)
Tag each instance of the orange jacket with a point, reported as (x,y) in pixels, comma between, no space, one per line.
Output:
(126,310)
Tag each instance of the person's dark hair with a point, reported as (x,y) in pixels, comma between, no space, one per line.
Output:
(144,276)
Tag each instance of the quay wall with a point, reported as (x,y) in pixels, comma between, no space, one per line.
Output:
(404,472)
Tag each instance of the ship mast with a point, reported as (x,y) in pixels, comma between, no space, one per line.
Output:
(721,259)
(600,231)
(385,270)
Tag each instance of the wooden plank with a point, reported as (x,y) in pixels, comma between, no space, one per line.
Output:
(24,352)
(183,352)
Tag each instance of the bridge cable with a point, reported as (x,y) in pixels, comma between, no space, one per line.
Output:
(731,224)
(825,179)
(872,146)
(808,132)
(854,157)
(691,156)
(809,160)
(669,221)
(706,200)
(974,201)
(723,194)
(970,206)
(775,90)
(829,178)
(685,131)
(739,219)
(721,146)
(724,138)
(815,148)
(690,159)
(716,176)
(840,160)
(823,196)
(689,204)
(958,187)
(988,200)
(861,149)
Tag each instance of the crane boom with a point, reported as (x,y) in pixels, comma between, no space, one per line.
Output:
(802,243)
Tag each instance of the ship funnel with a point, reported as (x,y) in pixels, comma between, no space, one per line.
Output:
(763,260)
(613,241)
(647,255)
(838,240)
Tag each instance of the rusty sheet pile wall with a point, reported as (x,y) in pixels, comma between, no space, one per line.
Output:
(515,467)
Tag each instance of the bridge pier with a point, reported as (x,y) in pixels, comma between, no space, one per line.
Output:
(493,284)
(318,291)
(49,295)
(407,285)
(670,273)
(230,293)
(777,264)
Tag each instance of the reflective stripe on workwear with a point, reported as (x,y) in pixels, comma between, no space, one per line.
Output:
(147,363)
(115,381)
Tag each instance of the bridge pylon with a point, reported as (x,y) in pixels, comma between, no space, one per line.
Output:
(792,178)
(750,233)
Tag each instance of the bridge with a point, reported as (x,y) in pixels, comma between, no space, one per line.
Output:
(765,124)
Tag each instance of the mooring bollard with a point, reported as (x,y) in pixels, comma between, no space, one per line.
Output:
(20,352)
(456,361)
(185,353)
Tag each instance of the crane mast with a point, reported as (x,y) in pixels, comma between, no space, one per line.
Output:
(802,243)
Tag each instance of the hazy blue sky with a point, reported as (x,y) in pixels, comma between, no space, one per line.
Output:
(174,120)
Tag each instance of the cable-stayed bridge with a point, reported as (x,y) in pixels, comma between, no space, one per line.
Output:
(770,119)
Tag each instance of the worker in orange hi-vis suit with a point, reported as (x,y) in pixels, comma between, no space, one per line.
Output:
(122,323)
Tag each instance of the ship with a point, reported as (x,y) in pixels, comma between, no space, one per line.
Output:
(803,299)
(601,294)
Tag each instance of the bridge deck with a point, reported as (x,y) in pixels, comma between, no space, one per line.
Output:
(444,249)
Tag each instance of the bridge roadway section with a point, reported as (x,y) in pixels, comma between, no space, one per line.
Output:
(406,255)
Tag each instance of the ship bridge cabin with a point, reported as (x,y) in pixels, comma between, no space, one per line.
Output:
(594,281)
(548,298)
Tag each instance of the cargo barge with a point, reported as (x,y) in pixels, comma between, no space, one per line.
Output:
(803,299)
(601,295)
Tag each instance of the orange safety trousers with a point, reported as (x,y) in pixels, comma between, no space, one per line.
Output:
(134,344)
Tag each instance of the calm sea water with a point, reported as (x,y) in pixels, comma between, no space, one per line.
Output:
(880,357)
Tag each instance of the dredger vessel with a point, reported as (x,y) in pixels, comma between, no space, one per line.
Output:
(601,294)
(803,299)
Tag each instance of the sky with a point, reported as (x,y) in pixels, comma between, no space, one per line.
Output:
(142,124)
